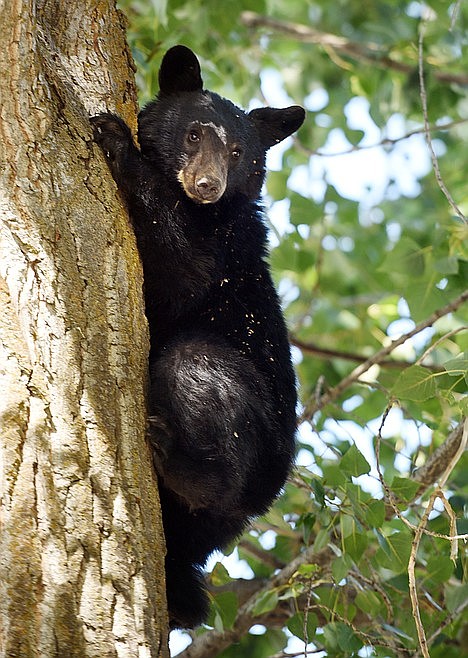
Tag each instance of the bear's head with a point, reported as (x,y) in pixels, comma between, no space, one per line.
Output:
(213,148)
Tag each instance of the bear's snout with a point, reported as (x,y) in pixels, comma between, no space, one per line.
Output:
(209,188)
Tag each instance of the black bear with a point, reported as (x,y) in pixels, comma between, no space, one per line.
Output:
(222,397)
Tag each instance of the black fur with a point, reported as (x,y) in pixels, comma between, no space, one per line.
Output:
(222,398)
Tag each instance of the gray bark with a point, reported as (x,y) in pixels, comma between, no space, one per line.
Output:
(81,541)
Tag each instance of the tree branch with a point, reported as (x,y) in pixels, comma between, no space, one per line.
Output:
(212,643)
(385,141)
(437,493)
(369,52)
(427,130)
(316,350)
(439,461)
(315,405)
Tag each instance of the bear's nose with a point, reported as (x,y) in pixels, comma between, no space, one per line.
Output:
(208,188)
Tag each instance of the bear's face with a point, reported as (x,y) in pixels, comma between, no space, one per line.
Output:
(213,148)
(218,148)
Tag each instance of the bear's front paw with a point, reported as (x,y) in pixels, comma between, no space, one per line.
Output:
(111,133)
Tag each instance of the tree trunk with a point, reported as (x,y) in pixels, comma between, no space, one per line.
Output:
(81,541)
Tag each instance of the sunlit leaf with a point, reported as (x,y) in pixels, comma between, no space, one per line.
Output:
(415,383)
(458,367)
(354,540)
(374,513)
(369,602)
(265,602)
(219,575)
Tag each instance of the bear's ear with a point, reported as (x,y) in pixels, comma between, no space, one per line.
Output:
(180,71)
(274,125)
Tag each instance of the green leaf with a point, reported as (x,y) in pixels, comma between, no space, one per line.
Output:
(404,488)
(374,513)
(415,383)
(319,491)
(226,606)
(307,521)
(333,474)
(354,541)
(448,265)
(354,463)
(322,539)
(439,569)
(265,602)
(307,570)
(296,625)
(219,575)
(302,211)
(458,367)
(277,184)
(355,545)
(394,553)
(340,636)
(218,622)
(405,259)
(341,566)
(368,602)
(423,298)
(456,596)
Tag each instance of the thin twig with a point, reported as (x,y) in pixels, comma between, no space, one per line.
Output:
(447,621)
(453,526)
(212,643)
(388,493)
(440,340)
(427,131)
(317,350)
(455,13)
(412,577)
(446,460)
(386,141)
(369,52)
(315,405)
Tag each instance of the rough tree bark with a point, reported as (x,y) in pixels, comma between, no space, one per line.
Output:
(81,542)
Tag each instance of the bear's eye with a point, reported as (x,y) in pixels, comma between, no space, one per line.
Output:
(193,137)
(236,153)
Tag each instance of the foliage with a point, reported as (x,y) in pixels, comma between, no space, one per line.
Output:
(369,248)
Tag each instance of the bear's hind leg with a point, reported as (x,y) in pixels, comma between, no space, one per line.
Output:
(187,599)
(211,414)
